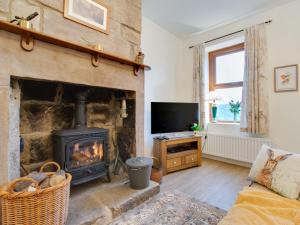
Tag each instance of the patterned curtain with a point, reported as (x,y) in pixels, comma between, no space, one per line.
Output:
(254,110)
(198,81)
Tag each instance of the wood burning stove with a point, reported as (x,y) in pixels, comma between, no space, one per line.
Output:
(82,151)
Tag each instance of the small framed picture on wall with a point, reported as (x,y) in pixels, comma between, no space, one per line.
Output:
(286,78)
(93,14)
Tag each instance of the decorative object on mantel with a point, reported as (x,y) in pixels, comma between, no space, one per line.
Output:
(27,42)
(140,58)
(286,78)
(88,13)
(213,98)
(97,46)
(27,36)
(40,198)
(124,113)
(96,58)
(25,22)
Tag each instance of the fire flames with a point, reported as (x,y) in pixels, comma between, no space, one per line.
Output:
(83,155)
(98,150)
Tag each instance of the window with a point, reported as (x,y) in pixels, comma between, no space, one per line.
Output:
(226,71)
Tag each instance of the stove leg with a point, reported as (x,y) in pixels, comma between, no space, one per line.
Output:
(107,173)
(108,176)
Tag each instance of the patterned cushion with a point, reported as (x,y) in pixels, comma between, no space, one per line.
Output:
(277,170)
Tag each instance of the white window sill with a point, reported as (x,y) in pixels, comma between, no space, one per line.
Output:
(224,128)
(231,129)
(225,123)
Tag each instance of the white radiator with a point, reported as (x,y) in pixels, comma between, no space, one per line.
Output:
(244,149)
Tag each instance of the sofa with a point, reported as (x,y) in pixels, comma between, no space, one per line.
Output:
(258,205)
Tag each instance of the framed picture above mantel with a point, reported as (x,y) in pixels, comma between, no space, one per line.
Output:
(286,78)
(91,13)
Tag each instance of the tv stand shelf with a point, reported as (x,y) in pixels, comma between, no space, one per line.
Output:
(178,153)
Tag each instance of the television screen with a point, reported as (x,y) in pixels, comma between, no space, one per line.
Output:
(167,117)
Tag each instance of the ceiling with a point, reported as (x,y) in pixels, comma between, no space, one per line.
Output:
(185,17)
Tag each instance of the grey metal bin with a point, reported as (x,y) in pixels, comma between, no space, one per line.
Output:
(139,171)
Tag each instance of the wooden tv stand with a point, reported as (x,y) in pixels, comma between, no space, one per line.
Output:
(178,153)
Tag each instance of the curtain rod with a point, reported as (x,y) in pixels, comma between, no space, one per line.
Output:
(236,32)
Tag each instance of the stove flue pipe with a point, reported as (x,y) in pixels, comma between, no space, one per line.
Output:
(80,110)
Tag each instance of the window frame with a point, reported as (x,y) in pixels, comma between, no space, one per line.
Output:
(212,56)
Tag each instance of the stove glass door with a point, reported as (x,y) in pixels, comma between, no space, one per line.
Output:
(84,152)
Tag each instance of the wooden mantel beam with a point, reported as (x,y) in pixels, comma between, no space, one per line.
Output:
(28,36)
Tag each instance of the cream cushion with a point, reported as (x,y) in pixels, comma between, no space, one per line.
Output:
(278,170)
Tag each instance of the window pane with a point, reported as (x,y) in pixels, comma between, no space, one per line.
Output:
(230,68)
(228,94)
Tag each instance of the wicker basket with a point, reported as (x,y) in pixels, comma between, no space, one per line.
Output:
(42,207)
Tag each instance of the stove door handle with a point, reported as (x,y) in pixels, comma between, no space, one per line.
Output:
(135,169)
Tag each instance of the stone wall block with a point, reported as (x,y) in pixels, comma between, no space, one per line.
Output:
(127,14)
(4,5)
(130,35)
(137,3)
(36,116)
(55,4)
(62,117)
(4,16)
(99,114)
(37,148)
(111,136)
(23,9)
(126,142)
(40,116)
(114,28)
(124,49)
(103,95)
(129,122)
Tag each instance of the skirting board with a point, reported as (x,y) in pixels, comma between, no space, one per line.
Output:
(230,161)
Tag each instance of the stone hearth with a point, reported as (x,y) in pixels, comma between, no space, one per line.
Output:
(99,203)
(50,63)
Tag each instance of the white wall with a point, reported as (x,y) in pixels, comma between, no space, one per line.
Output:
(283,37)
(164,82)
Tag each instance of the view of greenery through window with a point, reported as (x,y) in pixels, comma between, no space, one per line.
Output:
(228,94)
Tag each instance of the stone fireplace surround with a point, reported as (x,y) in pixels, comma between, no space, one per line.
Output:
(52,63)
(48,107)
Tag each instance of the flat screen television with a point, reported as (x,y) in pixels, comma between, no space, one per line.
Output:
(168,117)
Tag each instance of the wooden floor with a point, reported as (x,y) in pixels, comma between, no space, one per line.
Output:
(215,182)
